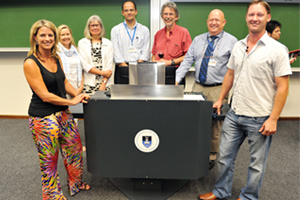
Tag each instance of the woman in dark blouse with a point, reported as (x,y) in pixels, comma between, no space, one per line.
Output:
(50,121)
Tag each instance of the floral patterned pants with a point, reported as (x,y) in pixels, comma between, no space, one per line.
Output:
(51,133)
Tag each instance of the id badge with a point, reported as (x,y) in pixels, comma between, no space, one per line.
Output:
(132,49)
(212,62)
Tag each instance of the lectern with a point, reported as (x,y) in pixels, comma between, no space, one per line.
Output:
(178,129)
(148,133)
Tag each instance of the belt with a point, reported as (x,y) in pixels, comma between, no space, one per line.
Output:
(210,85)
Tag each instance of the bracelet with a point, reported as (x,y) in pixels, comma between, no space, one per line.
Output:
(104,81)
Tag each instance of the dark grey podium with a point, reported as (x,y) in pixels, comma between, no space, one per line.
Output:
(181,142)
(183,128)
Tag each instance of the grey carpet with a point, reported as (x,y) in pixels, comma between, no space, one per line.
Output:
(20,174)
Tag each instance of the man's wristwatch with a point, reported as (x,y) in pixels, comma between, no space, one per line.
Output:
(172,62)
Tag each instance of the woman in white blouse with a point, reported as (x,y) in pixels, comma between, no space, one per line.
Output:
(96,54)
(70,58)
(70,61)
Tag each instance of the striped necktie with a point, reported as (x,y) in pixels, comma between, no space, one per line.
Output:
(204,63)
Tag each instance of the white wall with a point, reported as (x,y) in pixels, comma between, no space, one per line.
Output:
(16,94)
(292,106)
(14,90)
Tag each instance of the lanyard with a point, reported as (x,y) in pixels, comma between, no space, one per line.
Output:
(215,45)
(212,46)
(131,38)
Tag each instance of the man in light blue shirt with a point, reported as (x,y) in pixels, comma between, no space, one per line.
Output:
(216,59)
(131,39)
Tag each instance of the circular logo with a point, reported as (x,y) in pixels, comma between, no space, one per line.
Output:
(146,140)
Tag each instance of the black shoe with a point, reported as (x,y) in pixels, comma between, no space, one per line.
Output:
(211,164)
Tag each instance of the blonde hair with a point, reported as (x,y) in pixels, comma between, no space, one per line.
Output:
(265,4)
(33,32)
(63,26)
(92,18)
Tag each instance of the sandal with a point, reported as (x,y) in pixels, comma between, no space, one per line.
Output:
(84,186)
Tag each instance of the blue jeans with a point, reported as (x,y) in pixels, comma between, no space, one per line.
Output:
(234,131)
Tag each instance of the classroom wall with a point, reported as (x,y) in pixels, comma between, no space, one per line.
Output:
(16,94)
(14,90)
(193,17)
(16,21)
(17,17)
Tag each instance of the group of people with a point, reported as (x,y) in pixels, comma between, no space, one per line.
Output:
(131,40)
(257,74)
(255,68)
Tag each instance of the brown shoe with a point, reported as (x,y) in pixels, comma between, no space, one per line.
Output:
(207,196)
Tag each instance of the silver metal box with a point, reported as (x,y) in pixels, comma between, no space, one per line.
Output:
(146,73)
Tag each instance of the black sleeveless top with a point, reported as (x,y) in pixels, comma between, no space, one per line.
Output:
(55,84)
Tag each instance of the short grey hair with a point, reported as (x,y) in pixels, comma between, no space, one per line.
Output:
(92,18)
(171,5)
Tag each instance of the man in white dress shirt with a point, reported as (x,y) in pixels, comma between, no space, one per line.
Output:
(131,39)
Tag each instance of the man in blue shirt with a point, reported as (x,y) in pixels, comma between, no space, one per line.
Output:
(210,52)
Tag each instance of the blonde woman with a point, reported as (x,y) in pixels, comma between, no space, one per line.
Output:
(70,58)
(70,61)
(96,54)
(50,121)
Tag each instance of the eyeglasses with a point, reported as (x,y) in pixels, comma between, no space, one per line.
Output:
(94,25)
(171,14)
